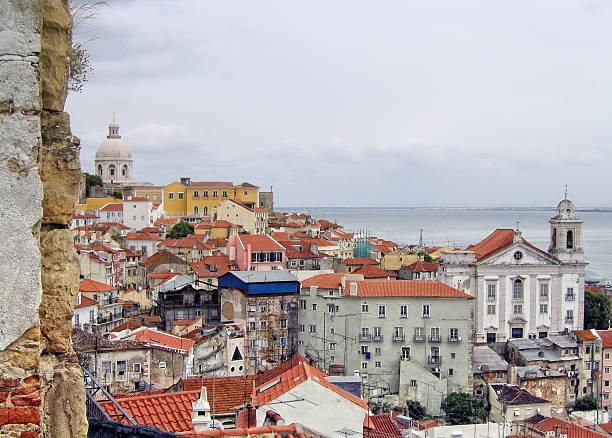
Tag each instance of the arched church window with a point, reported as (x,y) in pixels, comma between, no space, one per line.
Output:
(111,170)
(517,291)
(196,210)
(124,170)
(570,239)
(554,237)
(100,170)
(205,211)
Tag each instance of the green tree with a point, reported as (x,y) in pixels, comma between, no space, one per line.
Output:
(117,195)
(416,410)
(588,403)
(180,230)
(597,311)
(463,408)
(91,181)
(426,257)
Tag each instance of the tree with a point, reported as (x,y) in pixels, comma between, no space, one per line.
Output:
(181,229)
(91,181)
(463,408)
(597,311)
(117,195)
(416,410)
(426,257)
(588,403)
(79,68)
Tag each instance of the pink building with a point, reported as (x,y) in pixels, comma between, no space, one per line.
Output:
(606,367)
(253,252)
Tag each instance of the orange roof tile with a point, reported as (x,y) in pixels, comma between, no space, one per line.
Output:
(85,302)
(572,430)
(212,184)
(324,281)
(606,338)
(112,206)
(166,221)
(94,286)
(223,224)
(361,261)
(373,271)
(230,392)
(163,340)
(406,288)
(137,199)
(142,236)
(421,266)
(497,240)
(380,426)
(585,335)
(260,242)
(130,324)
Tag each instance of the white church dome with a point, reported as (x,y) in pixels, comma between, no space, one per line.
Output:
(113,147)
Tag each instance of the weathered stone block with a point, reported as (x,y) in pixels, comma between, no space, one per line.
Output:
(24,91)
(60,168)
(60,279)
(20,26)
(56,40)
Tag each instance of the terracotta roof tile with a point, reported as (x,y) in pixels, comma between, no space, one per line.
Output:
(606,338)
(94,286)
(85,302)
(380,426)
(406,288)
(361,261)
(166,221)
(585,335)
(373,271)
(112,206)
(421,266)
(142,236)
(230,392)
(212,184)
(162,340)
(324,281)
(563,427)
(260,242)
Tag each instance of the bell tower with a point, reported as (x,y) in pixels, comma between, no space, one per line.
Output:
(566,233)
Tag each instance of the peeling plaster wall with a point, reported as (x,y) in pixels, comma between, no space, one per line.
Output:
(41,384)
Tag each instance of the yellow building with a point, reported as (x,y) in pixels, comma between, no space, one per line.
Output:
(93,204)
(186,198)
(154,193)
(394,261)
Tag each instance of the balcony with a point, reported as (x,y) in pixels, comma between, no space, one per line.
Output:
(419,338)
(365,337)
(377,338)
(435,338)
(570,297)
(453,339)
(398,337)
(404,357)
(569,319)
(435,359)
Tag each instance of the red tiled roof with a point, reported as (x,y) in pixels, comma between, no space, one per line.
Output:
(606,338)
(138,199)
(130,324)
(607,427)
(292,377)
(150,230)
(212,184)
(154,318)
(223,224)
(163,340)
(157,256)
(183,322)
(380,426)
(142,236)
(248,185)
(162,275)
(406,288)
(106,225)
(112,206)
(286,431)
(421,266)
(83,216)
(278,235)
(230,392)
(94,286)
(166,221)
(497,240)
(373,271)
(563,427)
(85,302)
(361,261)
(324,281)
(260,242)
(585,335)
(170,412)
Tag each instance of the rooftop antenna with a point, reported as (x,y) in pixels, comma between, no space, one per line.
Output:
(421,239)
(565,191)
(517,225)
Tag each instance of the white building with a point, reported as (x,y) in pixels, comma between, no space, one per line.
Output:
(137,213)
(85,311)
(522,291)
(113,162)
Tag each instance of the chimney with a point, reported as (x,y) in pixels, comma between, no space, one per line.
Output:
(200,416)
(353,289)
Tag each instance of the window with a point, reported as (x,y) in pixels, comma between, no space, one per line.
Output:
(569,317)
(332,308)
(302,328)
(204,193)
(365,332)
(377,364)
(262,309)
(570,241)
(252,325)
(314,306)
(111,170)
(196,194)
(419,334)
(607,370)
(136,367)
(451,372)
(517,332)
(215,194)
(332,346)
(224,193)
(181,195)
(569,296)
(398,334)
(364,349)
(426,313)
(378,351)
(332,359)
(332,330)
(491,309)
(606,383)
(453,334)
(76,319)
(162,365)
(133,217)
(283,323)
(171,195)
(517,309)
(313,328)
(606,395)
(403,311)
(91,316)
(196,210)
(382,311)
(405,353)
(491,337)
(434,334)
(263,325)
(544,291)
(517,291)
(413,382)
(544,308)
(364,365)
(365,308)
(302,304)
(491,292)
(106,367)
(607,355)
(453,355)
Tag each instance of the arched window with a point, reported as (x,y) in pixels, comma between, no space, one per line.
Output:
(517,291)
(111,170)
(100,170)
(554,237)
(205,211)
(196,210)
(124,170)
(570,239)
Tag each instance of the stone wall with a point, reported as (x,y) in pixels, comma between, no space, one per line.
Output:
(41,384)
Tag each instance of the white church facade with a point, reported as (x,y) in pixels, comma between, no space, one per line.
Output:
(522,291)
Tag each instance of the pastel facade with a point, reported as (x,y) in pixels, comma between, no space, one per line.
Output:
(256,252)
(253,220)
(137,213)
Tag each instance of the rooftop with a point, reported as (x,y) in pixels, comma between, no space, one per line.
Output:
(94,286)
(260,242)
(406,288)
(513,395)
(487,360)
(324,281)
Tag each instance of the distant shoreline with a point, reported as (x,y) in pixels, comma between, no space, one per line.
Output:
(339,208)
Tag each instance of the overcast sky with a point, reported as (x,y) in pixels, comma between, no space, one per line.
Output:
(359,103)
